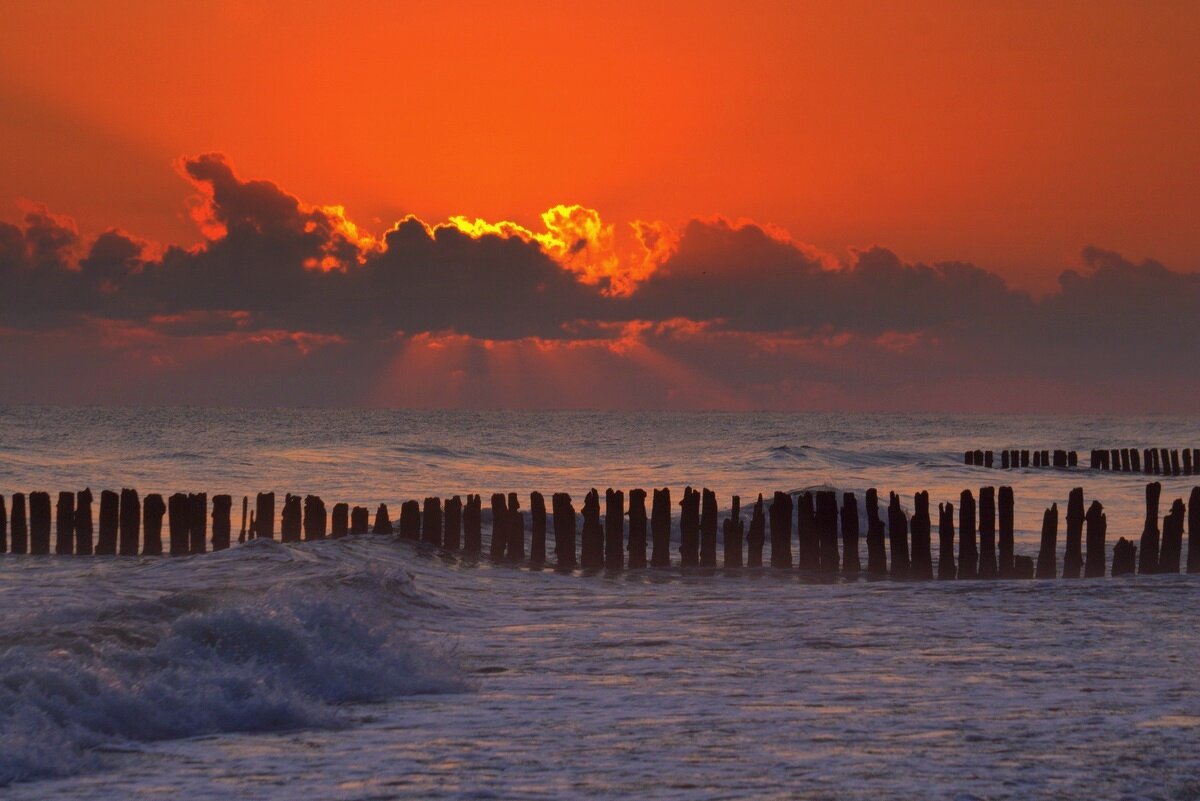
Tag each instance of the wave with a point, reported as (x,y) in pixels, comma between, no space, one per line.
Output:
(183,664)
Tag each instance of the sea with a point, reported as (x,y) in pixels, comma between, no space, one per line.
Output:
(371,667)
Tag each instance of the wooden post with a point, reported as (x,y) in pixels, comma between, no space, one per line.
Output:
(1156,462)
(757,535)
(988,458)
(876,550)
(781,530)
(20,526)
(809,550)
(516,530)
(987,532)
(591,546)
(1174,462)
(1147,461)
(1124,558)
(130,518)
(64,524)
(660,528)
(290,519)
(315,519)
(1072,459)
(614,529)
(1097,532)
(1172,539)
(1135,461)
(1024,458)
(827,530)
(732,533)
(431,521)
(637,528)
(1060,458)
(1193,560)
(689,528)
(153,510)
(537,525)
(1005,566)
(360,520)
(1095,462)
(1022,567)
(1004,460)
(340,521)
(921,566)
(264,522)
(1114,456)
(1148,552)
(564,530)
(452,533)
(198,520)
(473,526)
(383,521)
(898,537)
(109,519)
(499,526)
(1165,460)
(977,458)
(221,524)
(410,521)
(1126,463)
(708,528)
(851,563)
(1187,462)
(1037,458)
(39,523)
(245,511)
(83,523)
(1047,562)
(179,513)
(969,458)
(3,526)
(946,570)
(1073,556)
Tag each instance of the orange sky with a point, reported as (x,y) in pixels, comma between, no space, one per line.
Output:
(1007,134)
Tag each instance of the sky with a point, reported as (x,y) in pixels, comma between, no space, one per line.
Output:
(788,205)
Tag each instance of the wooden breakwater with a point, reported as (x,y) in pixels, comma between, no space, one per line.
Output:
(1149,461)
(976,543)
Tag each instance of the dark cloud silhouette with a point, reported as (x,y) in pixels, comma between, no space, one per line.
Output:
(736,316)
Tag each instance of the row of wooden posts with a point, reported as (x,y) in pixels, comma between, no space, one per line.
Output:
(1151,461)
(607,542)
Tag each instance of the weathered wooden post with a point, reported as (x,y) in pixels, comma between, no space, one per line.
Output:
(153,510)
(537,526)
(473,526)
(1005,566)
(109,520)
(1165,460)
(1187,462)
(1147,461)
(1073,555)
(1097,532)
(1126,462)
(1060,458)
(876,550)
(946,569)
(83,523)
(340,521)
(130,518)
(1005,464)
(431,521)
(809,540)
(637,528)
(1022,567)
(1148,552)
(1135,461)
(315,519)
(969,458)
(222,526)
(921,566)
(614,529)
(516,530)
(410,521)
(827,530)
(1124,558)
(1024,458)
(179,513)
(452,533)
(689,528)
(898,537)
(1047,562)
(1037,458)
(20,525)
(1114,457)
(977,458)
(732,534)
(499,542)
(245,512)
(987,532)
(1156,461)
(564,530)
(290,519)
(264,521)
(198,520)
(39,523)
(781,530)
(360,520)
(1193,560)
(591,546)
(1174,462)
(1072,459)
(708,528)
(383,521)
(851,563)
(1095,462)
(64,524)
(756,537)
(660,528)
(1172,539)
(988,458)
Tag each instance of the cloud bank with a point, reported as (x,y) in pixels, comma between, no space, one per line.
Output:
(292,304)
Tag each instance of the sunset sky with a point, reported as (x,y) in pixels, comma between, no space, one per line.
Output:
(961,206)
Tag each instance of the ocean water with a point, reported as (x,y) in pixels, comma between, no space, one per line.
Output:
(371,667)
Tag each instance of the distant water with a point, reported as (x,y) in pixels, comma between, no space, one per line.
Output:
(370,668)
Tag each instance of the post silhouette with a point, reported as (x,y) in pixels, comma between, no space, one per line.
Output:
(245,517)
(827,530)
(809,540)
(452,533)
(946,569)
(689,528)
(383,522)
(637,528)
(1047,563)
(591,555)
(968,554)
(198,521)
(1097,532)
(1172,539)
(876,549)
(1124,558)
(921,566)
(431,521)
(987,532)
(109,520)
(781,530)
(515,530)
(39,523)
(264,520)
(660,528)
(733,531)
(290,519)
(315,518)
(708,528)
(1004,567)
(153,509)
(64,524)
(1148,550)
(410,521)
(222,525)
(20,525)
(473,526)
(537,525)
(564,531)
(898,537)
(851,564)
(1073,557)
(360,520)
(756,536)
(339,521)
(1193,560)
(179,513)
(129,521)
(83,523)
(614,529)
(3,526)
